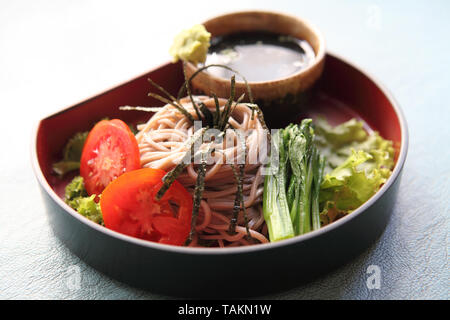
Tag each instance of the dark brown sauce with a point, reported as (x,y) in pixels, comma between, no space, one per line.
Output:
(259,56)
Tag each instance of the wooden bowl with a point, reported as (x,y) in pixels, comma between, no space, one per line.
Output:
(274,22)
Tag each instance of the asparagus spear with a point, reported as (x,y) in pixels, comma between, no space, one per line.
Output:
(317,181)
(275,206)
(305,163)
(292,193)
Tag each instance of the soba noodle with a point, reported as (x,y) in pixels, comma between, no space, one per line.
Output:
(163,143)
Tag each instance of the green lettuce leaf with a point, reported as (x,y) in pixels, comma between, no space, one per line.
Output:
(75,189)
(358,163)
(71,154)
(334,142)
(86,206)
(77,197)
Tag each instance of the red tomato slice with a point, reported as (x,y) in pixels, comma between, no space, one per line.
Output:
(110,150)
(128,206)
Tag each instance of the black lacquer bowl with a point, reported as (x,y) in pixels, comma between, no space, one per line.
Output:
(344,91)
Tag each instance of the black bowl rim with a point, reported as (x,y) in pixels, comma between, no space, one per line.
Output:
(235,250)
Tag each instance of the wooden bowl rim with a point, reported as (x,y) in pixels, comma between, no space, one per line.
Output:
(319,57)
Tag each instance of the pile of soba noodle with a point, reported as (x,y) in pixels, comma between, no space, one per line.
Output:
(163,143)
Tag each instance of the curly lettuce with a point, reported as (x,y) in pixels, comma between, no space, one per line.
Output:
(71,154)
(77,197)
(358,163)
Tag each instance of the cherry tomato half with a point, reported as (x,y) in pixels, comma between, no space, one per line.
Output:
(128,206)
(110,150)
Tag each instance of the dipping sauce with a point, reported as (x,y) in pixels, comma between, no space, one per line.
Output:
(259,56)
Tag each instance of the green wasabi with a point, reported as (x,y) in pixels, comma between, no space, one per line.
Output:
(191,45)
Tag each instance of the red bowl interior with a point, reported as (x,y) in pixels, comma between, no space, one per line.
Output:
(342,93)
